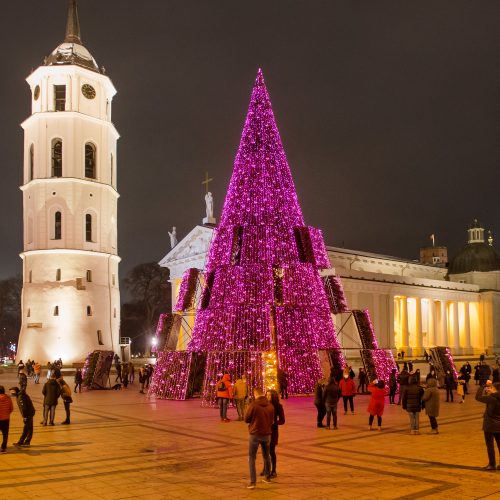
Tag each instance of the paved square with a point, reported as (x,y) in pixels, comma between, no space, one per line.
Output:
(122,444)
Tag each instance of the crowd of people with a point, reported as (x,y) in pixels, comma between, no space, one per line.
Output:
(55,389)
(264,413)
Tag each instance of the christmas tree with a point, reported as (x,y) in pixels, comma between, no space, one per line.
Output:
(263,305)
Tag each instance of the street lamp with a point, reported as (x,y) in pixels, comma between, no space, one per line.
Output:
(154,343)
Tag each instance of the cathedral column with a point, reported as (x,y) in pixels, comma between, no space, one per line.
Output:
(455,330)
(392,314)
(432,324)
(443,323)
(468,345)
(418,326)
(405,334)
(376,314)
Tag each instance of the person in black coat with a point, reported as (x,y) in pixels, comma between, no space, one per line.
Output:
(27,411)
(449,384)
(491,420)
(51,392)
(403,382)
(393,386)
(363,380)
(331,395)
(412,403)
(319,402)
(484,373)
(279,419)
(283,383)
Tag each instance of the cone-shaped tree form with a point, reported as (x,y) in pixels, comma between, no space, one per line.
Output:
(263,294)
(261,182)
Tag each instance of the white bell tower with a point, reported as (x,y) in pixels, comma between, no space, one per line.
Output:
(71,297)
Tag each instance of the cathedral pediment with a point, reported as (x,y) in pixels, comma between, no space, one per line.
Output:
(194,246)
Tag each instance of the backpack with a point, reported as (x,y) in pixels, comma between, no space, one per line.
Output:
(221,386)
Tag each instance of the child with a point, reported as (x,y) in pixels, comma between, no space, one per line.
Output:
(461,388)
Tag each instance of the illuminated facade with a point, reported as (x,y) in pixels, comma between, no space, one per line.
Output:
(413,306)
(71,298)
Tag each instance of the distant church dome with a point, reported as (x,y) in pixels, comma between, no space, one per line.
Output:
(477,255)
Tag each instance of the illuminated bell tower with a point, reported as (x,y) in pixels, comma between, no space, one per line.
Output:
(71,297)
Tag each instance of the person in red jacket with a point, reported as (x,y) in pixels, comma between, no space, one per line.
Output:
(348,389)
(224,394)
(377,402)
(6,409)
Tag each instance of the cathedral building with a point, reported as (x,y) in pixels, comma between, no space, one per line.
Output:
(414,305)
(71,297)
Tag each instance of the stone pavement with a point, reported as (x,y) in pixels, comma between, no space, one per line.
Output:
(125,445)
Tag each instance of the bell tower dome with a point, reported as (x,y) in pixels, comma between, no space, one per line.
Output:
(71,298)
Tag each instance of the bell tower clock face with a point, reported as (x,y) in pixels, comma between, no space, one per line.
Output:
(88,91)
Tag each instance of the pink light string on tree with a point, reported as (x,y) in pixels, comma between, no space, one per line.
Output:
(263,290)
(263,297)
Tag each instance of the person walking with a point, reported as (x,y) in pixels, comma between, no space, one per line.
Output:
(20,367)
(27,411)
(403,377)
(431,374)
(131,372)
(412,403)
(66,397)
(37,369)
(224,394)
(431,401)
(148,372)
(348,390)
(393,386)
(78,380)
(51,392)
(461,385)
(260,418)
(319,402)
(449,384)
(118,368)
(476,373)
(142,379)
(49,370)
(490,395)
(23,381)
(125,375)
(279,419)
(465,377)
(283,383)
(331,396)
(240,396)
(362,379)
(484,373)
(377,403)
(6,409)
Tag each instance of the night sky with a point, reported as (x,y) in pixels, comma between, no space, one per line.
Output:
(389,112)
